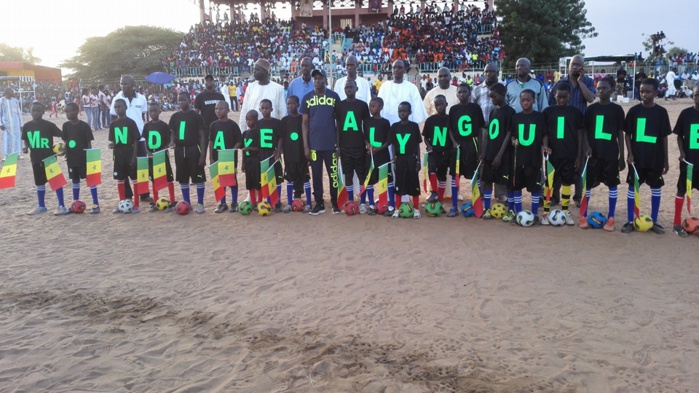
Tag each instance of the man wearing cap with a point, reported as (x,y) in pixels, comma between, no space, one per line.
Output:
(320,139)
(262,88)
(302,85)
(205,102)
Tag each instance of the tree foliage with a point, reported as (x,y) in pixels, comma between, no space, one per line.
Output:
(11,53)
(135,50)
(542,30)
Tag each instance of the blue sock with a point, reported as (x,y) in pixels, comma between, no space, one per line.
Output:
(279,193)
(518,201)
(362,198)
(185,192)
(41,195)
(487,195)
(655,194)
(588,193)
(234,194)
(613,193)
(93,191)
(350,192)
(370,194)
(200,193)
(59,195)
(307,190)
(289,192)
(223,199)
(630,198)
(391,194)
(454,194)
(511,201)
(535,202)
(76,191)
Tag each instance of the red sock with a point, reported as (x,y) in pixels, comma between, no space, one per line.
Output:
(136,201)
(122,190)
(679,201)
(433,182)
(171,190)
(253,197)
(155,194)
(416,202)
(440,192)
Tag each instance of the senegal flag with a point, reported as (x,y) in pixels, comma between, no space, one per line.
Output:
(53,173)
(268,181)
(476,198)
(457,167)
(219,192)
(688,194)
(159,170)
(94,167)
(141,184)
(584,199)
(369,172)
(636,196)
(226,167)
(550,171)
(9,170)
(341,187)
(425,175)
(382,185)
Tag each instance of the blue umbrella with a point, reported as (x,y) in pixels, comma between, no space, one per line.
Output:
(160,78)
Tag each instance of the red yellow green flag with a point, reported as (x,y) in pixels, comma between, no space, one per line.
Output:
(53,173)
(226,167)
(141,183)
(550,171)
(159,170)
(688,194)
(636,194)
(457,167)
(94,167)
(268,181)
(425,175)
(584,199)
(382,185)
(219,192)
(369,172)
(9,171)
(342,195)
(476,198)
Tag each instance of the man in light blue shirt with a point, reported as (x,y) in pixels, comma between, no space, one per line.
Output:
(302,85)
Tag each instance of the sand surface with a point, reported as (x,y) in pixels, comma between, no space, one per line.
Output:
(292,303)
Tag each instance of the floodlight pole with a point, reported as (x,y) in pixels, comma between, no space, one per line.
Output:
(330,41)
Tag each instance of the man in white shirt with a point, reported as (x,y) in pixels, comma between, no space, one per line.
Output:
(670,79)
(445,88)
(398,90)
(363,86)
(262,88)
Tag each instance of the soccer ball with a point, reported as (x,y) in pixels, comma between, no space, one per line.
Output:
(557,218)
(297,205)
(643,223)
(406,210)
(498,210)
(125,206)
(245,208)
(525,218)
(467,210)
(433,209)
(59,149)
(182,208)
(382,208)
(78,207)
(351,208)
(162,203)
(264,209)
(596,220)
(691,225)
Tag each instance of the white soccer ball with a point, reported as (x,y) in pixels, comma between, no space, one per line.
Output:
(125,206)
(557,218)
(525,218)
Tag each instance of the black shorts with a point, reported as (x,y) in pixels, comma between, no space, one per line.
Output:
(296,171)
(528,177)
(499,175)
(407,180)
(187,163)
(438,162)
(652,177)
(469,162)
(122,164)
(75,173)
(565,170)
(39,174)
(682,179)
(375,173)
(168,168)
(600,171)
(354,161)
(252,172)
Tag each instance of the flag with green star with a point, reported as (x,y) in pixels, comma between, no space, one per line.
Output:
(54,175)
(159,171)
(94,167)
(226,167)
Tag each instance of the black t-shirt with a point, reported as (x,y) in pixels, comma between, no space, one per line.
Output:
(436,132)
(466,122)
(206,103)
(293,139)
(251,138)
(562,126)
(500,125)
(529,129)
(270,132)
(647,127)
(77,138)
(350,122)
(687,127)
(187,127)
(224,135)
(377,133)
(406,138)
(602,126)
(157,134)
(123,132)
(39,137)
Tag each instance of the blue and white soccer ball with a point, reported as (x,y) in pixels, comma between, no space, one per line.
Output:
(525,218)
(557,218)
(467,209)
(596,220)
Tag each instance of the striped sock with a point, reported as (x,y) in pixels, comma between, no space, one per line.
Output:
(679,201)
(41,195)
(547,203)
(630,199)
(535,202)
(655,195)
(613,194)
(200,193)
(307,189)
(370,194)
(565,197)
(185,192)
(518,201)
(588,194)
(76,190)
(391,195)
(441,187)
(454,193)
(487,195)
(289,192)
(510,200)
(350,192)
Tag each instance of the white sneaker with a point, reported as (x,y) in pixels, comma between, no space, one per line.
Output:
(569,218)
(416,214)
(545,219)
(37,210)
(61,210)
(362,208)
(396,214)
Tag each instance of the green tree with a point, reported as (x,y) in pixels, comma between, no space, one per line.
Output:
(135,50)
(655,44)
(542,30)
(11,53)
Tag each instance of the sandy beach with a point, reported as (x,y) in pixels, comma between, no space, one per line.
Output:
(157,302)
